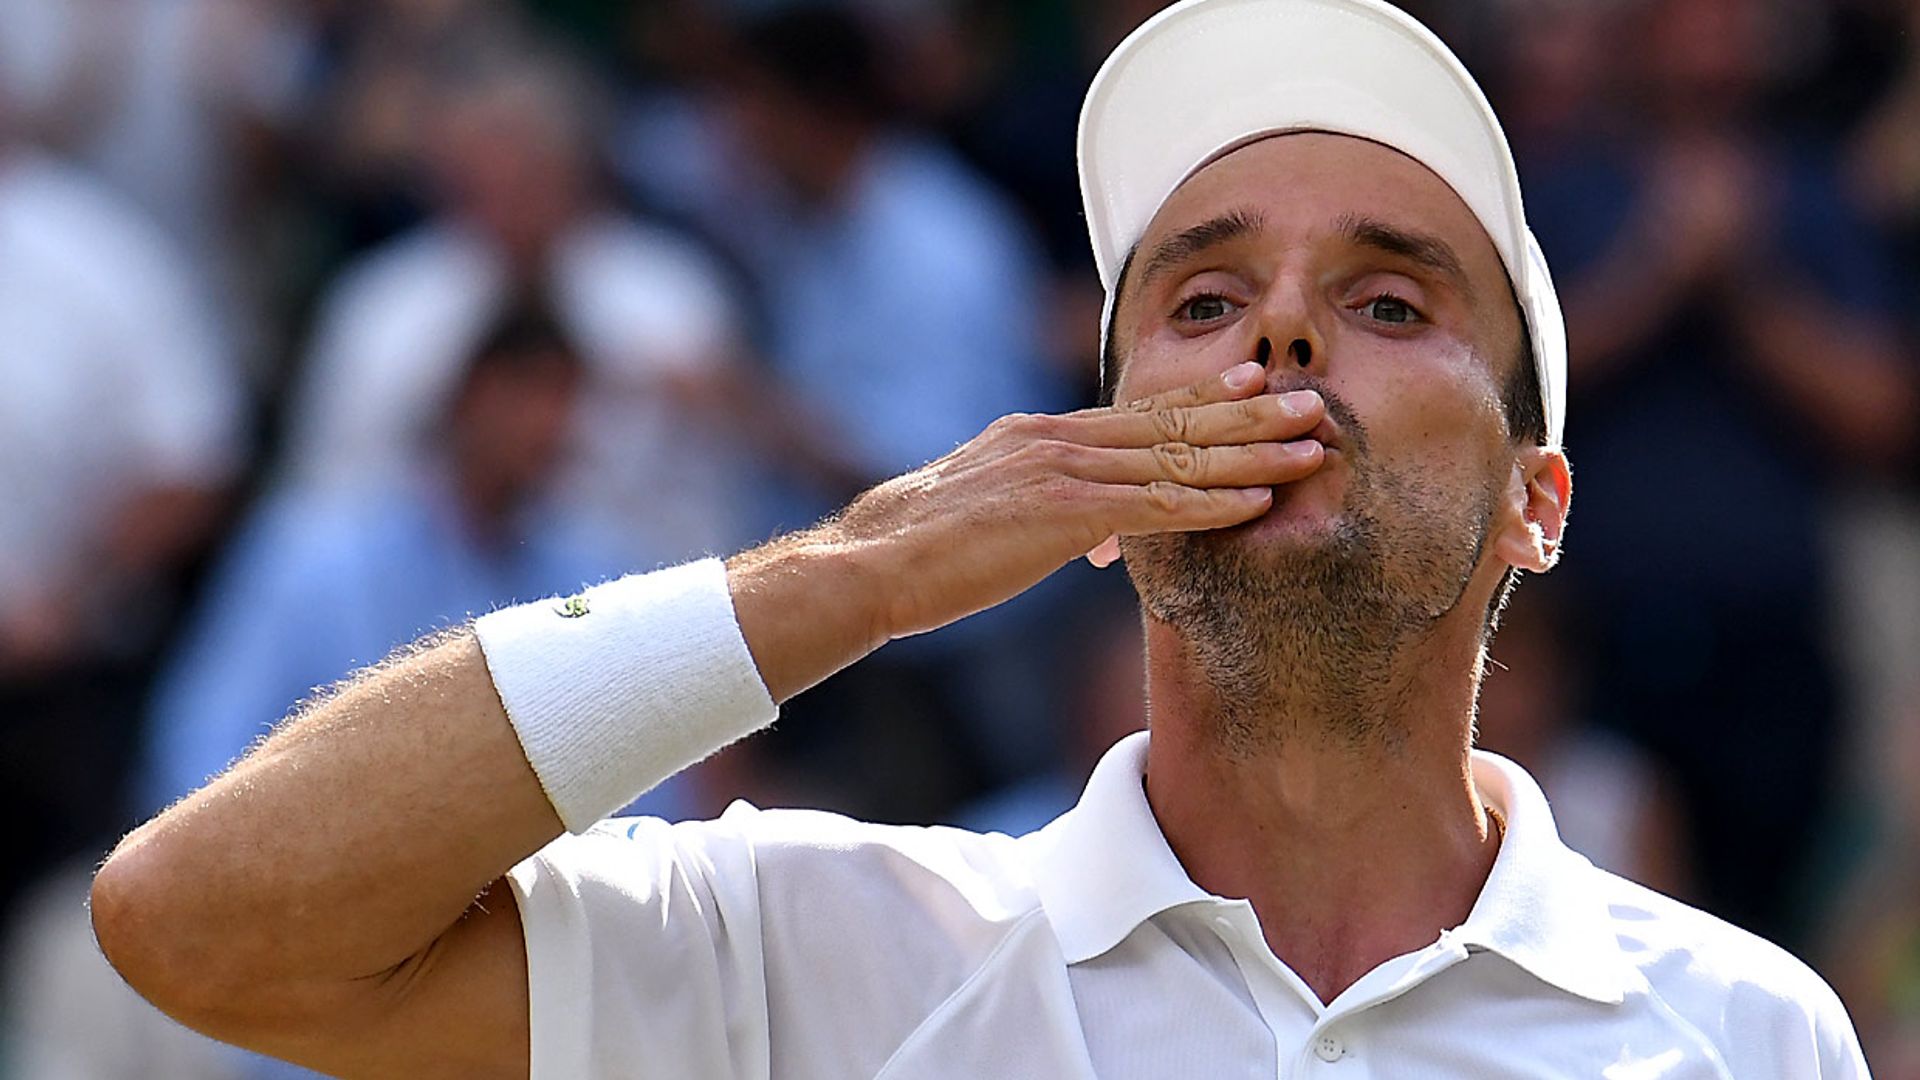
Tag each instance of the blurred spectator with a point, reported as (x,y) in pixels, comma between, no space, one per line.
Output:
(321,581)
(118,435)
(904,301)
(171,102)
(1021,129)
(1734,364)
(518,205)
(891,273)
(898,287)
(1610,801)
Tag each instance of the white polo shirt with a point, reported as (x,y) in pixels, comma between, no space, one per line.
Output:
(803,945)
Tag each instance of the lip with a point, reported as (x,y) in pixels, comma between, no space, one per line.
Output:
(1326,433)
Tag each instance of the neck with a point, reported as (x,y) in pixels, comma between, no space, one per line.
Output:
(1354,842)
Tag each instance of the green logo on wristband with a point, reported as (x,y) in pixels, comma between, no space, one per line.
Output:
(572,607)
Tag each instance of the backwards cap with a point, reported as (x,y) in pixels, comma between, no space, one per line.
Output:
(1205,77)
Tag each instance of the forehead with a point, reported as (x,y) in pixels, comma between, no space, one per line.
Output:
(1303,184)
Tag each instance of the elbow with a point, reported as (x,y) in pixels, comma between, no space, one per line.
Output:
(157,954)
(120,905)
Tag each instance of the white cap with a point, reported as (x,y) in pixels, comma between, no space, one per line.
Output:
(1205,77)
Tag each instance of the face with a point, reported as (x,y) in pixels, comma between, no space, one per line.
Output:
(508,169)
(1356,272)
(512,425)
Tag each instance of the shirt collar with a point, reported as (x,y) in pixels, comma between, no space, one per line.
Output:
(1104,867)
(1544,906)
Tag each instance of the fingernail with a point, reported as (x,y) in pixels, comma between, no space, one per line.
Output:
(1241,376)
(1300,402)
(1303,448)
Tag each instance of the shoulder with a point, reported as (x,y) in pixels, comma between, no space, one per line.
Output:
(425,254)
(1751,998)
(789,852)
(635,289)
(86,231)
(641,248)
(821,938)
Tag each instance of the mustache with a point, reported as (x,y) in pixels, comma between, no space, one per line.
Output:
(1346,422)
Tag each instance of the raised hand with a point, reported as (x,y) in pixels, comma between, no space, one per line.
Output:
(1030,494)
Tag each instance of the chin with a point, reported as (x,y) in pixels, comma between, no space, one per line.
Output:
(1298,513)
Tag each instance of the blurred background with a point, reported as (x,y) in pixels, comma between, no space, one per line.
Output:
(325,323)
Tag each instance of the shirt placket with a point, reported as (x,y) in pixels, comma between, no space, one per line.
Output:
(1312,1040)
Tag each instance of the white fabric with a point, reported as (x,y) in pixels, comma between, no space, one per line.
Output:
(112,380)
(802,945)
(1204,77)
(616,689)
(640,303)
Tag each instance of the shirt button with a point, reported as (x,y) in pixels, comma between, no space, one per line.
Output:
(1327,1048)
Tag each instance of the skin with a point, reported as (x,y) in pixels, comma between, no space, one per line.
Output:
(318,901)
(1357,733)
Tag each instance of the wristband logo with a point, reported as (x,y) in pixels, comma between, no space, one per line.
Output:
(572,607)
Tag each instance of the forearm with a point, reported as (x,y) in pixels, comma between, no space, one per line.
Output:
(401,797)
(344,845)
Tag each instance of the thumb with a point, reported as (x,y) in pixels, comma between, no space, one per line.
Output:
(1106,554)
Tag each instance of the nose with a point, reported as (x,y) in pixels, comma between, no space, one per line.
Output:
(1287,317)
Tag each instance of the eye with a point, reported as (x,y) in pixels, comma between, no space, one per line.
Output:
(1388,308)
(1205,307)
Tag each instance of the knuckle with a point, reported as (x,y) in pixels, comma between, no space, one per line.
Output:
(1004,426)
(1050,455)
(1173,425)
(1178,460)
(1017,425)
(1166,497)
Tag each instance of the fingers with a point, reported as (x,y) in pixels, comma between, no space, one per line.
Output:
(1250,465)
(1164,506)
(1236,382)
(1261,418)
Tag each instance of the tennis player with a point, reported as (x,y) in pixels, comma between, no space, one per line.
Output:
(1338,372)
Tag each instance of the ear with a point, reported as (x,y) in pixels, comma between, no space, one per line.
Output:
(1535,510)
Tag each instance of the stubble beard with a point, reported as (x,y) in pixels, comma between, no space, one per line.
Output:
(1304,639)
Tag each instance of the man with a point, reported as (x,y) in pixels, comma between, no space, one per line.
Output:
(509,150)
(1321,479)
(321,581)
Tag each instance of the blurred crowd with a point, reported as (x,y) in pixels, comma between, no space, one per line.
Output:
(327,324)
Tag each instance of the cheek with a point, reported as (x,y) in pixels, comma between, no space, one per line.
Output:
(1437,413)
(1156,364)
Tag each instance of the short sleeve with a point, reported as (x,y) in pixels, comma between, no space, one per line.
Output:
(1841,1057)
(644,952)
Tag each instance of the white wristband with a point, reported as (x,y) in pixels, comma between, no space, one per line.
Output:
(620,687)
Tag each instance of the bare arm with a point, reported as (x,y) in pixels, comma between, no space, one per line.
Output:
(318,902)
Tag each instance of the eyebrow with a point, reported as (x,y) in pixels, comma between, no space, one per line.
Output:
(1421,248)
(1211,233)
